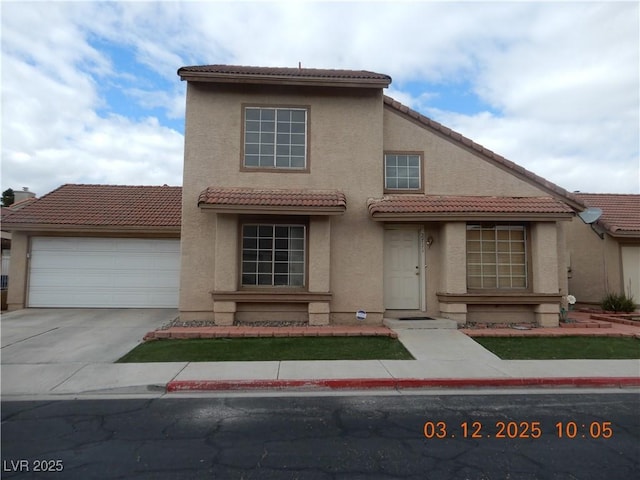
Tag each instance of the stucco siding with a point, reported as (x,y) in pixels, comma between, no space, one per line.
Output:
(18,271)
(448,168)
(595,262)
(336,123)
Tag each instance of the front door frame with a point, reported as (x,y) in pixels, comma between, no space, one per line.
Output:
(419,229)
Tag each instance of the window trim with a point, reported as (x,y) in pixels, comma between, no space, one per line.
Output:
(527,259)
(275,169)
(420,156)
(274,221)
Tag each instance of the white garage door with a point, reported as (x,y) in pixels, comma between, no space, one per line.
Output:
(104,272)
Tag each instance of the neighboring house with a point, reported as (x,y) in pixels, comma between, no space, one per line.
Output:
(96,246)
(5,248)
(310,195)
(5,257)
(605,258)
(20,200)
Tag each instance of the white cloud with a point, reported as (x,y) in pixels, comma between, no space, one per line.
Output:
(561,79)
(568,93)
(51,131)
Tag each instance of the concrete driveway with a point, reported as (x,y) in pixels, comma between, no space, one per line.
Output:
(67,351)
(69,335)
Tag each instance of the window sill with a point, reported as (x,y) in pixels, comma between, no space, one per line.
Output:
(244,168)
(271,296)
(403,191)
(514,298)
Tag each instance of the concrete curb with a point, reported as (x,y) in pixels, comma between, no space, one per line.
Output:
(396,383)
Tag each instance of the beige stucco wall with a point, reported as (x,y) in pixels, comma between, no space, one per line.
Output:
(544,257)
(338,120)
(595,263)
(448,168)
(16,296)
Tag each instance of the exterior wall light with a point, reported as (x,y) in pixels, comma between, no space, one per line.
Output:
(429,241)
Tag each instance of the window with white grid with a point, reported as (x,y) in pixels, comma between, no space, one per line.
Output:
(402,172)
(275,137)
(496,257)
(273,255)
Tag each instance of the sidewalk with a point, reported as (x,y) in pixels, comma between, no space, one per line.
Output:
(443,358)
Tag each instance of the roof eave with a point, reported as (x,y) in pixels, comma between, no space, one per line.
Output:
(272,210)
(283,80)
(475,216)
(85,229)
(624,233)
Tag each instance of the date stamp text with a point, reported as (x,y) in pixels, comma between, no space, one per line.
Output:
(515,430)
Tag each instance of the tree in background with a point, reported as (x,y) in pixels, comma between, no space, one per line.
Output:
(8,197)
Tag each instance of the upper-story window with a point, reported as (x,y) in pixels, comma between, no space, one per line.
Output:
(275,138)
(402,171)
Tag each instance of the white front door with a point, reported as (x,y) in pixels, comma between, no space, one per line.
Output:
(402,269)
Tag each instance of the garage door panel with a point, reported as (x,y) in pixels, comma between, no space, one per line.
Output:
(149,246)
(78,280)
(153,261)
(52,259)
(95,272)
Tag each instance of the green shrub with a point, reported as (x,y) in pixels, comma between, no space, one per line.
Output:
(618,302)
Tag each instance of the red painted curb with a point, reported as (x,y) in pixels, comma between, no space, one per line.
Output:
(397,383)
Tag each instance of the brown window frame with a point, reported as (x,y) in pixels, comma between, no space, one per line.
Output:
(273,221)
(275,169)
(420,156)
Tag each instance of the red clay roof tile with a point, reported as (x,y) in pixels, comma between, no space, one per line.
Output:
(620,212)
(74,205)
(221,196)
(436,204)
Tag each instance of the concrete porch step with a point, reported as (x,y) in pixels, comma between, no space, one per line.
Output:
(436,323)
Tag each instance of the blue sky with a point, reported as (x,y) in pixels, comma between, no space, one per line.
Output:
(123,95)
(90,92)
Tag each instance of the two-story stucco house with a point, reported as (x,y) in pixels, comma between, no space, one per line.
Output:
(310,195)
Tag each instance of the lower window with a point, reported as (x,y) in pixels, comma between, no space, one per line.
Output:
(273,255)
(496,256)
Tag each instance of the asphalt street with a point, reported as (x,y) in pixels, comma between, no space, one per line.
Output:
(528,435)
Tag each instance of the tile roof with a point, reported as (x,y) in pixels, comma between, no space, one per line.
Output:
(5,211)
(21,204)
(231,198)
(438,206)
(493,157)
(620,212)
(283,75)
(101,206)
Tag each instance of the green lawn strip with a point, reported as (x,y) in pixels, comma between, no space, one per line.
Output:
(266,349)
(557,348)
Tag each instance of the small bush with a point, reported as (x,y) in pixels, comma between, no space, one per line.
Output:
(618,302)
